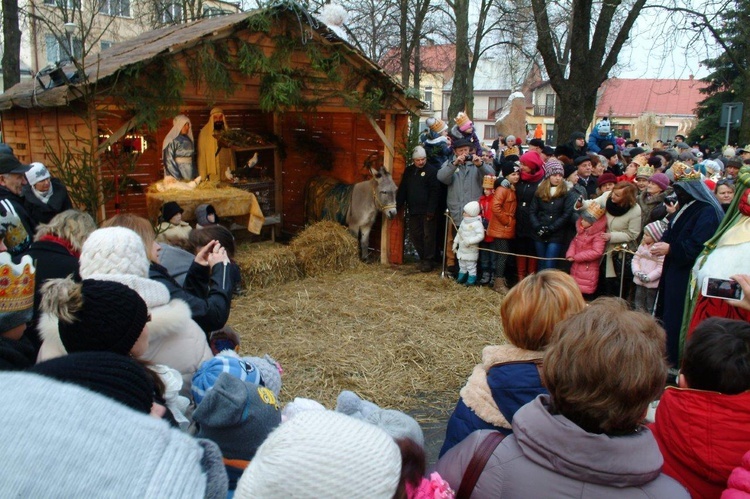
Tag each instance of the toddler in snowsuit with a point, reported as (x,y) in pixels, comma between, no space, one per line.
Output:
(647,268)
(466,244)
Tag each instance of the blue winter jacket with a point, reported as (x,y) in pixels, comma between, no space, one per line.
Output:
(512,384)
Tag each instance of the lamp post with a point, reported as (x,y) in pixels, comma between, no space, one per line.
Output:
(70,29)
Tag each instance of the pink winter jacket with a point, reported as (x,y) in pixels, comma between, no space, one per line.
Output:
(586,250)
(650,265)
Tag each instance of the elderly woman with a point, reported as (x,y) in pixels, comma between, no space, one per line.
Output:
(508,376)
(586,438)
(44,196)
(623,228)
(724,192)
(56,249)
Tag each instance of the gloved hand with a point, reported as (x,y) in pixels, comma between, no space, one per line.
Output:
(505,183)
(643,277)
(541,231)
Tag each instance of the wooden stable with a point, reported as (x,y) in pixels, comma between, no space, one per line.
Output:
(36,120)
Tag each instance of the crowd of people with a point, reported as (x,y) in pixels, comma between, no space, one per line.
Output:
(117,362)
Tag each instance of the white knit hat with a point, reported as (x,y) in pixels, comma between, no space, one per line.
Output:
(472,209)
(37,173)
(419,152)
(323,454)
(118,254)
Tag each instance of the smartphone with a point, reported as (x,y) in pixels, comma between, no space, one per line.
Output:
(723,289)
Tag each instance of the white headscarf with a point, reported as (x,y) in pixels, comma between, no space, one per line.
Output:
(177,123)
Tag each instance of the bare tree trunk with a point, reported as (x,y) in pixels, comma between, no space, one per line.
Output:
(460,91)
(11,44)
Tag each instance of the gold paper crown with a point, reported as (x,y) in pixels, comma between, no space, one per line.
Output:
(645,171)
(16,284)
(685,173)
(438,126)
(488,182)
(640,160)
(462,119)
(596,210)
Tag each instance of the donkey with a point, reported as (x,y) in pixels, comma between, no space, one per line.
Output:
(361,202)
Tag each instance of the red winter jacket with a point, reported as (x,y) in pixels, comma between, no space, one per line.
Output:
(702,436)
(485,202)
(586,250)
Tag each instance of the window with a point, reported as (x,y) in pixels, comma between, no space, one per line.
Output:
(214,12)
(490,132)
(57,52)
(428,96)
(105,44)
(63,4)
(171,13)
(115,8)
(667,133)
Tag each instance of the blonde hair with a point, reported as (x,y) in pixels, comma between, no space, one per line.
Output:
(137,224)
(544,191)
(535,305)
(604,365)
(72,225)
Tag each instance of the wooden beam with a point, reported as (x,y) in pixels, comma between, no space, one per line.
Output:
(117,135)
(388,155)
(381,134)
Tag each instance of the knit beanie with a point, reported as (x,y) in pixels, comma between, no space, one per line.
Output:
(270,371)
(95,315)
(418,152)
(569,169)
(436,125)
(238,416)
(16,291)
(228,362)
(37,173)
(661,180)
(323,454)
(608,153)
(202,211)
(114,250)
(472,209)
(509,167)
(532,159)
(116,376)
(655,230)
(553,166)
(170,209)
(395,423)
(606,178)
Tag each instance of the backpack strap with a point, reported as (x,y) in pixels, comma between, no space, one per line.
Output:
(477,464)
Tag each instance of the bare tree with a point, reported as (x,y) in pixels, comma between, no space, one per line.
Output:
(592,55)
(11,63)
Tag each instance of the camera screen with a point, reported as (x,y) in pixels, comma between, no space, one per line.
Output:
(723,288)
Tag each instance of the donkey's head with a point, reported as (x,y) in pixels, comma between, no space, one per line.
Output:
(384,192)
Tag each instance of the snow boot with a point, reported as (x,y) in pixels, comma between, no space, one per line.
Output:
(462,276)
(472,281)
(486,278)
(500,286)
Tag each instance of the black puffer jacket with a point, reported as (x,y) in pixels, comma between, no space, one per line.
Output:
(554,214)
(208,292)
(525,195)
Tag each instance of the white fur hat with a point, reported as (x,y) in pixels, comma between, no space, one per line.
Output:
(323,454)
(114,250)
(472,209)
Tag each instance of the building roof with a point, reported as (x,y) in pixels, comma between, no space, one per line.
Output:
(164,41)
(630,98)
(434,59)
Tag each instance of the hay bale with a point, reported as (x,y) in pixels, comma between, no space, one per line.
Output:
(266,264)
(325,247)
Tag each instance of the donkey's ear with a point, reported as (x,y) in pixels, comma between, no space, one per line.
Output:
(376,173)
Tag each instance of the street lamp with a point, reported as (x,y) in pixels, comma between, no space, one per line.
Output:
(70,29)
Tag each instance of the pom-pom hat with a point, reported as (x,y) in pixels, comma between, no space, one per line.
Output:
(655,230)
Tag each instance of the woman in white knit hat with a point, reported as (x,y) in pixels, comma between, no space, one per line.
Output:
(44,196)
(117,254)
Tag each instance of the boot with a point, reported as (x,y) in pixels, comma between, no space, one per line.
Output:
(462,276)
(486,278)
(472,281)
(521,263)
(500,286)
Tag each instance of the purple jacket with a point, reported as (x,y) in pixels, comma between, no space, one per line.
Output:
(549,456)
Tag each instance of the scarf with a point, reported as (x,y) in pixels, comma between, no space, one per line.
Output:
(44,197)
(537,176)
(615,209)
(62,242)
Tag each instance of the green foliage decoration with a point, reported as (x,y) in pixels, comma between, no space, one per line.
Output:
(209,69)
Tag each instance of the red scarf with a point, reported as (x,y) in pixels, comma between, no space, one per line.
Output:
(62,242)
(536,176)
(744,206)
